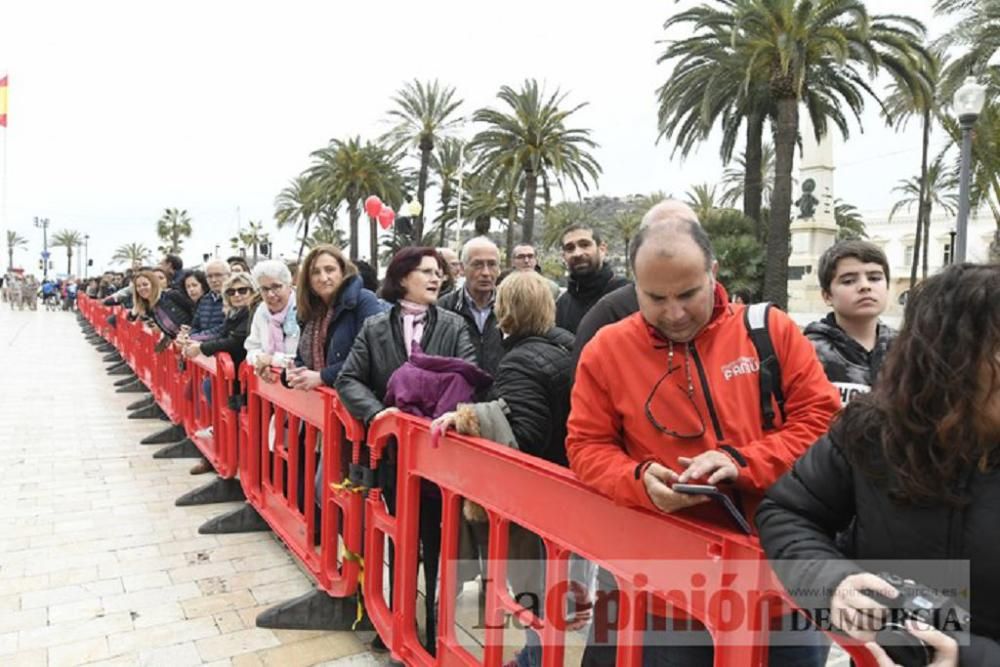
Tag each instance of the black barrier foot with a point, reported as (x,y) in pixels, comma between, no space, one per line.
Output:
(185,449)
(107,347)
(217,491)
(129,379)
(153,411)
(135,387)
(243,520)
(313,611)
(121,369)
(113,358)
(145,403)
(172,433)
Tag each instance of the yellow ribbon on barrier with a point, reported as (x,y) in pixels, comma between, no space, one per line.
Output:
(349,486)
(349,555)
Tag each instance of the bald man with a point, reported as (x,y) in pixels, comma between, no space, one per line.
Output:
(622,302)
(672,395)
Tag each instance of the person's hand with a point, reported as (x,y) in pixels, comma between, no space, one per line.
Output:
(856,614)
(304,379)
(441,425)
(384,412)
(945,647)
(192,350)
(713,464)
(579,595)
(263,360)
(658,480)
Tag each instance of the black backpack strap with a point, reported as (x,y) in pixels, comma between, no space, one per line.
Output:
(755,318)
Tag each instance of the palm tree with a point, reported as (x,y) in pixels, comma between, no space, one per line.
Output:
(532,140)
(132,253)
(975,36)
(936,189)
(297,204)
(349,171)
(850,224)
(424,113)
(326,232)
(252,237)
(446,163)
(822,55)
(902,104)
(172,227)
(735,179)
(68,239)
(703,199)
(14,241)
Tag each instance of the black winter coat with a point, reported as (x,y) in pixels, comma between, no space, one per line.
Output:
(172,310)
(235,329)
(489,343)
(825,494)
(378,351)
(849,366)
(582,292)
(612,307)
(535,378)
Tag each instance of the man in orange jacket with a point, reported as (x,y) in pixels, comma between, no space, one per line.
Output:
(671,394)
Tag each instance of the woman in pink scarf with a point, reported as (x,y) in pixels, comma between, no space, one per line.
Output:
(274,332)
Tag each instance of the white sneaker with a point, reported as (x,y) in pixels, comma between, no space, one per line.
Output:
(205,432)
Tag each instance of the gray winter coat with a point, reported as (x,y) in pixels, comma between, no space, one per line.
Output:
(378,351)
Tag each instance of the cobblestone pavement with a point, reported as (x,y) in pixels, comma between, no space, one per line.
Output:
(97,565)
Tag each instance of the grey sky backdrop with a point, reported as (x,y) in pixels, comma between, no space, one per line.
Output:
(120,109)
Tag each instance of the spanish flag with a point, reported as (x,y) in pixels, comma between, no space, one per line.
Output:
(3,102)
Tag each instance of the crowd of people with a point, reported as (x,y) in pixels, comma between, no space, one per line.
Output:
(24,291)
(847,441)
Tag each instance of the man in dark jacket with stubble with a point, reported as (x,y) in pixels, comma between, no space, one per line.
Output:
(590,277)
(474,300)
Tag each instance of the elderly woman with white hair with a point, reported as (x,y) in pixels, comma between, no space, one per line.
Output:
(274,329)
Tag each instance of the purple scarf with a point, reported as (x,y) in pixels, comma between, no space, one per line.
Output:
(414,318)
(276,329)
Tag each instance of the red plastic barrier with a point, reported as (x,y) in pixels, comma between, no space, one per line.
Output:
(635,546)
(278,463)
(222,415)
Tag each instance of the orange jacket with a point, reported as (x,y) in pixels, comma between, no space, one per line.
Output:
(609,434)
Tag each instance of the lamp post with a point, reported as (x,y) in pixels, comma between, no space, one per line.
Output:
(86,259)
(951,248)
(43,224)
(968,102)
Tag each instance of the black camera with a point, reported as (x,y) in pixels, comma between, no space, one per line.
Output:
(915,602)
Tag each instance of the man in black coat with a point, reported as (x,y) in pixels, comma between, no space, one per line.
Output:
(590,277)
(474,301)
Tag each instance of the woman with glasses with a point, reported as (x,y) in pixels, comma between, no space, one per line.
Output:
(413,324)
(274,330)
(239,299)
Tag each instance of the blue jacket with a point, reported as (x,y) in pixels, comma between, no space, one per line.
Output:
(353,306)
(208,318)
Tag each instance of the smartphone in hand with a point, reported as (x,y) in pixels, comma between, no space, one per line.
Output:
(718,496)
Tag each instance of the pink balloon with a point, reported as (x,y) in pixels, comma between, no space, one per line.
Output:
(373,206)
(385,217)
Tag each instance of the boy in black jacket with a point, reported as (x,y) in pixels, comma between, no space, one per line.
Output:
(850,342)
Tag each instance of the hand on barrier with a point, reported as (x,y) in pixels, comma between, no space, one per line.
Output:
(713,463)
(303,379)
(855,613)
(384,412)
(441,425)
(658,480)
(583,606)
(945,648)
(192,350)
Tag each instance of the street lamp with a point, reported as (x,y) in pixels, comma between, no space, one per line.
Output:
(43,224)
(951,248)
(968,102)
(86,260)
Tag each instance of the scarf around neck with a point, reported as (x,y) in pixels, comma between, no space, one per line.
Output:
(414,318)
(276,329)
(312,342)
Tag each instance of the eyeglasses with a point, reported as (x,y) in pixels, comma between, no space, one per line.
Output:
(242,291)
(431,273)
(268,289)
(524,256)
(690,396)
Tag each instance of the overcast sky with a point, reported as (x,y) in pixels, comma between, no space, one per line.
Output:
(120,109)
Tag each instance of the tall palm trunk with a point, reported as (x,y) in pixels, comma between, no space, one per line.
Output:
(776,269)
(305,235)
(426,146)
(753,182)
(923,210)
(511,219)
(530,192)
(69,260)
(10,257)
(353,216)
(373,242)
(445,205)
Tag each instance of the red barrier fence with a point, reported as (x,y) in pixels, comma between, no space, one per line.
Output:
(275,446)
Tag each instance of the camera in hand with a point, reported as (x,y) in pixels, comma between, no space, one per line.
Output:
(919,603)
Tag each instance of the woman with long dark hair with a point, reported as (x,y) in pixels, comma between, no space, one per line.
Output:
(908,473)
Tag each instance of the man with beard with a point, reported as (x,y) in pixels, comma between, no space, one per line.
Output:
(589,277)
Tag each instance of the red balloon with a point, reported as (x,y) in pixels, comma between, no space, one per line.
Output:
(385,217)
(373,206)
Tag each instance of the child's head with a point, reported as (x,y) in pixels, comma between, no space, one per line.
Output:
(854,279)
